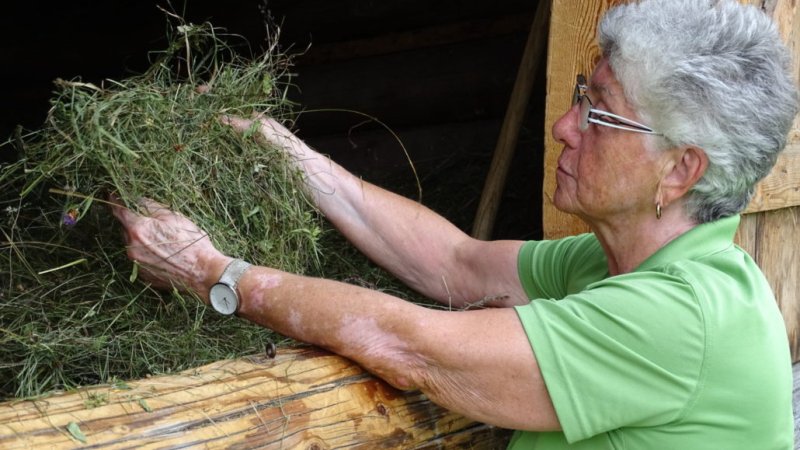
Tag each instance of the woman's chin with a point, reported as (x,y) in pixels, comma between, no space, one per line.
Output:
(563,202)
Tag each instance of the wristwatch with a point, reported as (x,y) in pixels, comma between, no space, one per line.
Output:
(223,295)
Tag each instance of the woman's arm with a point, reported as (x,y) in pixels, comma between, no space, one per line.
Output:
(420,247)
(478,363)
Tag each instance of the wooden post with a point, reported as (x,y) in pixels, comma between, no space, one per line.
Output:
(509,133)
(304,398)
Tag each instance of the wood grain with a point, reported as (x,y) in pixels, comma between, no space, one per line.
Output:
(781,189)
(304,398)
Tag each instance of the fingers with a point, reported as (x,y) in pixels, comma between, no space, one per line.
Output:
(165,245)
(153,208)
(120,211)
(267,125)
(239,124)
(270,131)
(146,205)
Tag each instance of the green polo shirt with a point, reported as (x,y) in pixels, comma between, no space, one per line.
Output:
(689,351)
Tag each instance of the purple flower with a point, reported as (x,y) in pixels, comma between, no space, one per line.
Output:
(70,218)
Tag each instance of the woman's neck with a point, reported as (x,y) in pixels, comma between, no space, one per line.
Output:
(628,243)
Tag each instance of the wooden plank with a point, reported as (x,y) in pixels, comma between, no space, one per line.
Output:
(781,189)
(303,398)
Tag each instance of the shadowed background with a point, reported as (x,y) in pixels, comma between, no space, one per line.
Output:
(438,74)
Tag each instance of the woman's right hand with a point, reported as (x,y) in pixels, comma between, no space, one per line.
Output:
(323,177)
(271,131)
(170,249)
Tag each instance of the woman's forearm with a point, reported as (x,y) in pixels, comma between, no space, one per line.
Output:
(421,248)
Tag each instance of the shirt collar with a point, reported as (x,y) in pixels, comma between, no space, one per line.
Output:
(704,239)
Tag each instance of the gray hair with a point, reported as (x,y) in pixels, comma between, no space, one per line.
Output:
(710,74)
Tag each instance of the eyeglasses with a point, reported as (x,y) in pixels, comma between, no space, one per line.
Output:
(589,114)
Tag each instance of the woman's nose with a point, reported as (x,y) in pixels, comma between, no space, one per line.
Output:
(566,130)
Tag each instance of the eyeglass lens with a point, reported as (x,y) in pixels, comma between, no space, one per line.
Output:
(585,104)
(585,108)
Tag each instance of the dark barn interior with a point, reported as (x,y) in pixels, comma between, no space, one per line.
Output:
(438,74)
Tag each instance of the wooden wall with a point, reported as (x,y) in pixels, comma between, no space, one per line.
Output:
(770,229)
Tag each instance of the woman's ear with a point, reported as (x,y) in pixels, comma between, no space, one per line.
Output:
(686,166)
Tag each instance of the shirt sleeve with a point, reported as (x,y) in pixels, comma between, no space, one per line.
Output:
(626,351)
(557,268)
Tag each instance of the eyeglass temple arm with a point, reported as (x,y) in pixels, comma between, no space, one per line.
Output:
(624,120)
(625,127)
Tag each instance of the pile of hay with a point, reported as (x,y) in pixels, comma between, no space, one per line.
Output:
(72,311)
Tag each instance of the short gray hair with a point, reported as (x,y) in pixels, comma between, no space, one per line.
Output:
(711,74)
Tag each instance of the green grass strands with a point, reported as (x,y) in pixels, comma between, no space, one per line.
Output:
(72,309)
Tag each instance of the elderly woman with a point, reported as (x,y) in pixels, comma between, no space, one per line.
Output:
(652,332)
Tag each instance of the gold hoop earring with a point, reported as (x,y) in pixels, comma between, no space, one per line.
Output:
(658,210)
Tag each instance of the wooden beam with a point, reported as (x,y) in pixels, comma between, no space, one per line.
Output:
(304,398)
(509,133)
(781,189)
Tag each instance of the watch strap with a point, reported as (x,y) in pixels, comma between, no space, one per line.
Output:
(233,272)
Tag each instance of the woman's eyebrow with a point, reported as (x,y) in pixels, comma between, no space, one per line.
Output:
(600,89)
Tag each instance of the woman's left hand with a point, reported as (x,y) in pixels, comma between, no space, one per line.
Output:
(169,248)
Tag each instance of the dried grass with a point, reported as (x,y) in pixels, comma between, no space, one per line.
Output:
(72,311)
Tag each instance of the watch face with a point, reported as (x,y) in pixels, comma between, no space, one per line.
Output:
(223,299)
